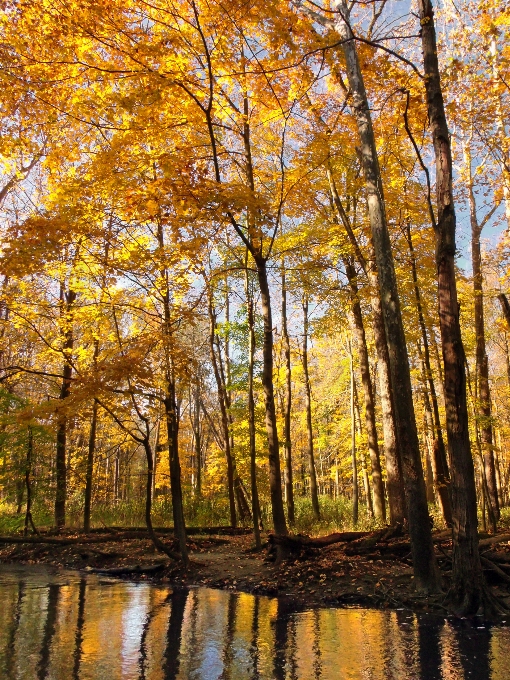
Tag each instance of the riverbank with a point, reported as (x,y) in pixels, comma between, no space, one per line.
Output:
(363,572)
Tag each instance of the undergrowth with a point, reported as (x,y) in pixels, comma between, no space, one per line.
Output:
(336,515)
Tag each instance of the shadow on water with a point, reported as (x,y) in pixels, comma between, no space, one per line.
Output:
(90,629)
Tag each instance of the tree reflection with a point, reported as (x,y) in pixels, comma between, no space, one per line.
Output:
(228,647)
(171,659)
(80,621)
(474,648)
(13,631)
(49,631)
(254,645)
(283,651)
(429,633)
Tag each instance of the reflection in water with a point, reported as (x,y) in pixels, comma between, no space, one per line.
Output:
(49,630)
(69,628)
(79,629)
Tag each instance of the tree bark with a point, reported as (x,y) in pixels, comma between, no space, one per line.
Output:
(308,407)
(467,580)
(289,487)
(483,402)
(424,563)
(255,509)
(366,380)
(28,469)
(222,399)
(275,477)
(394,483)
(198,441)
(172,423)
(439,463)
(90,468)
(67,299)
(355,490)
(171,413)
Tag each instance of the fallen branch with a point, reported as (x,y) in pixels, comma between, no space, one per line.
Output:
(490,565)
(123,571)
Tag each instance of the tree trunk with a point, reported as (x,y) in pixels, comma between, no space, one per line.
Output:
(394,484)
(171,413)
(275,478)
(467,580)
(289,488)
(308,407)
(255,510)
(28,486)
(439,464)
(222,399)
(483,403)
(424,563)
(198,441)
(366,380)
(505,307)
(364,471)
(172,423)
(90,468)
(355,490)
(67,300)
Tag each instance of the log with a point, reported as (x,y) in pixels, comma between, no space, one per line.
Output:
(502,538)
(493,556)
(300,541)
(124,571)
(363,545)
(190,531)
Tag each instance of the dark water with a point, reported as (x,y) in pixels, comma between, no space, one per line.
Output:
(63,627)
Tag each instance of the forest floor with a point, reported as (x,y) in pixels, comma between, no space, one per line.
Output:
(355,573)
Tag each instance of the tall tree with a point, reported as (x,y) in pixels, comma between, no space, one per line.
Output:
(467,580)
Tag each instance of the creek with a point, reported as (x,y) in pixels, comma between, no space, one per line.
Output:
(70,626)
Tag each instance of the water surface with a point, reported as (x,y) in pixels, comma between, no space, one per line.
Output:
(66,627)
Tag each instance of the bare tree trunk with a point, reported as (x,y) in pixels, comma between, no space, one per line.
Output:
(483,405)
(424,563)
(90,468)
(467,581)
(505,306)
(366,380)
(171,414)
(198,441)
(67,299)
(439,464)
(172,423)
(355,490)
(308,407)
(364,471)
(255,509)
(289,488)
(222,399)
(275,477)
(28,469)
(395,484)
